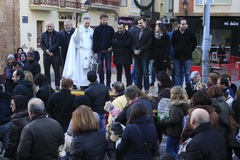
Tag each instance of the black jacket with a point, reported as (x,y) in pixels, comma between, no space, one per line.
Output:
(44,92)
(54,48)
(102,38)
(162,52)
(132,143)
(18,122)
(184,44)
(190,89)
(206,144)
(98,95)
(5,109)
(236,109)
(23,87)
(34,67)
(65,39)
(40,139)
(61,106)
(145,43)
(88,145)
(122,52)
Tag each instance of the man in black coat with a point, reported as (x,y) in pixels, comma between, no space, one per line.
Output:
(21,85)
(122,53)
(65,35)
(141,46)
(184,43)
(98,95)
(206,143)
(61,104)
(40,138)
(50,41)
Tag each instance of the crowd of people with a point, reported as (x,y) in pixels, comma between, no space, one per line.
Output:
(38,123)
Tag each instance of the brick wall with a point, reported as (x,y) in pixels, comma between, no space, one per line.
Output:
(9,30)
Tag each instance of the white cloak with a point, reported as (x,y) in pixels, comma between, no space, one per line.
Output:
(79,50)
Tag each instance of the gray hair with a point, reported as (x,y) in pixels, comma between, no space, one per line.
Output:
(68,21)
(36,106)
(86,18)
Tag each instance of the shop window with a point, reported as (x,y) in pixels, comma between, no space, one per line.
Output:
(39,32)
(214,2)
(200,2)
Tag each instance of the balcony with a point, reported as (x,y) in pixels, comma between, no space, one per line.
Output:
(59,5)
(71,5)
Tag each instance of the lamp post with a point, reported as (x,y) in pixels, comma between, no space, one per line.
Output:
(87,7)
(185,6)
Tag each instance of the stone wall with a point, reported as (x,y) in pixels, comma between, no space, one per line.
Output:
(9,30)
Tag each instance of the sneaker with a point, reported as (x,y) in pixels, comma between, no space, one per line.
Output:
(57,88)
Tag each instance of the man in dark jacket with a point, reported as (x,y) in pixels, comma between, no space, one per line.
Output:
(65,35)
(22,86)
(184,43)
(206,143)
(50,41)
(98,95)
(141,46)
(122,52)
(102,47)
(61,104)
(33,66)
(5,117)
(41,138)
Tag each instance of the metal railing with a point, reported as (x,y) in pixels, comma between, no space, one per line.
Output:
(106,2)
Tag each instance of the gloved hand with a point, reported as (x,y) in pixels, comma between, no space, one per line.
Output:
(61,151)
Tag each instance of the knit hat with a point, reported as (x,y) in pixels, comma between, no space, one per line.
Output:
(10,56)
(194,74)
(81,100)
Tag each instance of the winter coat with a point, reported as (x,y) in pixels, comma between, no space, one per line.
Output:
(61,106)
(122,53)
(102,38)
(223,111)
(174,124)
(23,87)
(18,122)
(206,144)
(132,143)
(40,139)
(54,48)
(144,44)
(184,44)
(98,95)
(88,145)
(190,88)
(9,84)
(5,109)
(162,52)
(236,110)
(125,114)
(44,92)
(33,67)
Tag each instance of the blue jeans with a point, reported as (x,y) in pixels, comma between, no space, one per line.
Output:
(152,72)
(4,134)
(141,69)
(182,68)
(102,123)
(105,56)
(172,145)
(55,62)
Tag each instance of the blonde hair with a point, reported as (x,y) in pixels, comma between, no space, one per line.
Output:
(177,93)
(83,119)
(29,77)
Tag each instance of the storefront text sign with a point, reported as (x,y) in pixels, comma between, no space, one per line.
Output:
(231,23)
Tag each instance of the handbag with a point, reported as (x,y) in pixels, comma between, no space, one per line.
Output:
(94,64)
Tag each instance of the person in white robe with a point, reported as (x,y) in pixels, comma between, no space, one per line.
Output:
(79,55)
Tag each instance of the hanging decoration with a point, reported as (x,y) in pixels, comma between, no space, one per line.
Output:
(143,8)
